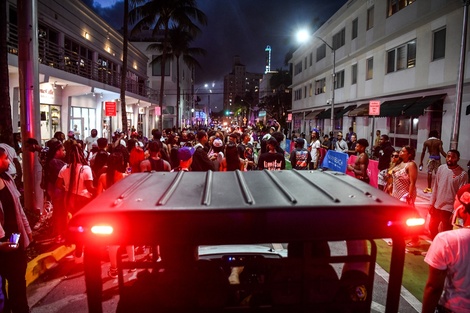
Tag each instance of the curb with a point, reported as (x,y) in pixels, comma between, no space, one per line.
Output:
(43,262)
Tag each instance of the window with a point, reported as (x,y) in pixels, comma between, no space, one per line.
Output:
(338,39)
(321,52)
(298,68)
(354,29)
(320,86)
(402,57)
(311,59)
(396,5)
(157,69)
(370,18)
(298,94)
(404,131)
(305,92)
(354,74)
(439,44)
(370,68)
(310,91)
(339,80)
(305,63)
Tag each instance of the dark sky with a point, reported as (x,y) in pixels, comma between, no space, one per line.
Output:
(244,28)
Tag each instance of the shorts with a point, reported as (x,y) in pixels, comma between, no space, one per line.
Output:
(433,165)
(382,178)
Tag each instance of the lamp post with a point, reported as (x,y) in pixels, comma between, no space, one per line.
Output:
(454,140)
(332,116)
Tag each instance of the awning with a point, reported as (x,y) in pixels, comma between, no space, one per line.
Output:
(395,108)
(419,107)
(312,115)
(362,110)
(344,111)
(327,114)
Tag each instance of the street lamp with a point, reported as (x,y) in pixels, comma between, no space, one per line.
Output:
(332,115)
(303,36)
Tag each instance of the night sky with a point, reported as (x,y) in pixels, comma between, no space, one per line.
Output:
(244,28)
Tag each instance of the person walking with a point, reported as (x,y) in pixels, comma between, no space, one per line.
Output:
(434,147)
(448,286)
(13,259)
(314,148)
(448,180)
(404,176)
(272,160)
(383,153)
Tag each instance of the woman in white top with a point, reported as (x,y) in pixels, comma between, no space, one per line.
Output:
(76,178)
(314,149)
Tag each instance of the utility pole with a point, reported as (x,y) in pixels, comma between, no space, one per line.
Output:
(454,141)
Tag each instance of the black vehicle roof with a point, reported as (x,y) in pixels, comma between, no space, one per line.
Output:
(242,207)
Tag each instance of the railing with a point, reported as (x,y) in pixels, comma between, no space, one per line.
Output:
(55,56)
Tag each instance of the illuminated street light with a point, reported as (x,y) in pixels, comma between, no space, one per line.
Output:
(302,36)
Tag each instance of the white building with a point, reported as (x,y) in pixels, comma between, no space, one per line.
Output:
(80,61)
(404,54)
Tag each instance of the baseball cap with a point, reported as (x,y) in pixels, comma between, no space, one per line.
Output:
(299,141)
(217,143)
(185,153)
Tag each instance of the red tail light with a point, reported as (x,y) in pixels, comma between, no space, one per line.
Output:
(102,230)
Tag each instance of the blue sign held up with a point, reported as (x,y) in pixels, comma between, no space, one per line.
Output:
(336,161)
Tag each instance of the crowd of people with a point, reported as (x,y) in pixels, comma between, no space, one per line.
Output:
(75,171)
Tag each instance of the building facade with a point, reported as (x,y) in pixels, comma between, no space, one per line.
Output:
(403,54)
(80,62)
(240,84)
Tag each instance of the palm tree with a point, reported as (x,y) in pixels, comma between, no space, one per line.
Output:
(125,43)
(163,15)
(178,46)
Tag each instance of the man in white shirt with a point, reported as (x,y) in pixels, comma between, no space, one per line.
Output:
(91,139)
(341,145)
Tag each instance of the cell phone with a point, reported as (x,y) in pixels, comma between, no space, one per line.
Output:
(15,239)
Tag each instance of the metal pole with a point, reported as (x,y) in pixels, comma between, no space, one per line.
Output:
(332,108)
(28,69)
(459,88)
(332,122)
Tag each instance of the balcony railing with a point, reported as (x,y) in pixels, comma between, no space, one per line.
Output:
(55,56)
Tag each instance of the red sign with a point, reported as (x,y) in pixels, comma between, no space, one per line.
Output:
(157,111)
(110,108)
(374,107)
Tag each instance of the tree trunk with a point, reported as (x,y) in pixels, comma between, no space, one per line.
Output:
(6,127)
(178,92)
(125,41)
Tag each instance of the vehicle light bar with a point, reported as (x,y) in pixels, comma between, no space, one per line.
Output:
(102,230)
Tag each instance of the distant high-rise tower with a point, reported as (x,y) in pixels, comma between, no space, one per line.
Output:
(268,59)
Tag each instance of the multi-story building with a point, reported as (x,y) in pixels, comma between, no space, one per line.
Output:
(240,83)
(404,54)
(80,62)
